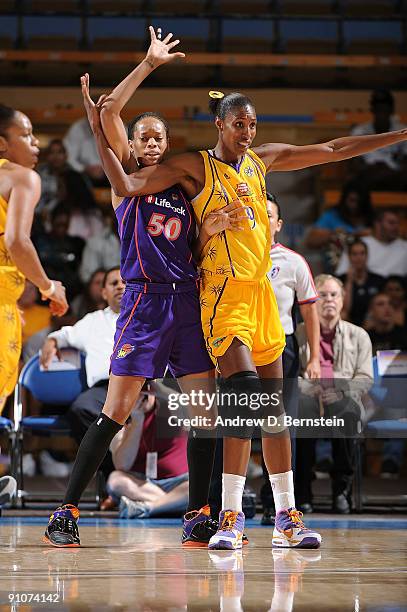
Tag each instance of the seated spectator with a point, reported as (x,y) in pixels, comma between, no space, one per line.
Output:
(381,325)
(395,287)
(151,476)
(94,336)
(103,249)
(82,152)
(383,169)
(359,284)
(350,218)
(60,253)
(387,252)
(60,182)
(385,334)
(91,297)
(36,317)
(346,375)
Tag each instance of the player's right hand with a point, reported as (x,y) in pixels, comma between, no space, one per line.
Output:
(233,217)
(48,352)
(58,303)
(159,50)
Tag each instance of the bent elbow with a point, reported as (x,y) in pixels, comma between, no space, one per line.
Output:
(109,107)
(121,189)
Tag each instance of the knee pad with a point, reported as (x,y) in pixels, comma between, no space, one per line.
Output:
(238,398)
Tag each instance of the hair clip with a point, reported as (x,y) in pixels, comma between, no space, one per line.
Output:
(216,94)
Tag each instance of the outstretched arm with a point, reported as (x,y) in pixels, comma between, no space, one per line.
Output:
(113,127)
(279,156)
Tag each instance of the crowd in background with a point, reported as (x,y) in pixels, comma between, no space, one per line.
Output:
(363,246)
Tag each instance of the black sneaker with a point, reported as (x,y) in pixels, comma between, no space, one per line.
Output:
(62,530)
(199,527)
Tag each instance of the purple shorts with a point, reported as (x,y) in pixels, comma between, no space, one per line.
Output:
(159,325)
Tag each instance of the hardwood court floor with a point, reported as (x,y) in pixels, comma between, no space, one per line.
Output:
(140,565)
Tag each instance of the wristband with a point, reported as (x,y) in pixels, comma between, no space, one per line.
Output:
(49,292)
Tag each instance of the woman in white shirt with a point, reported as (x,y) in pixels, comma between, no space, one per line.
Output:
(292,282)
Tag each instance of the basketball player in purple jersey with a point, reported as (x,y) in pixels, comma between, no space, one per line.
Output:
(159,322)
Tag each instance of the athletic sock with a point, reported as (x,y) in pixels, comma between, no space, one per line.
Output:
(91,452)
(232,492)
(200,456)
(283,490)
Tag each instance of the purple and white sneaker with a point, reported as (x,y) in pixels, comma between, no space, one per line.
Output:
(290,531)
(229,535)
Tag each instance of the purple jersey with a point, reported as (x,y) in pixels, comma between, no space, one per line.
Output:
(156,233)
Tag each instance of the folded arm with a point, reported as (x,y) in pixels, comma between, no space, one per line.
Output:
(144,181)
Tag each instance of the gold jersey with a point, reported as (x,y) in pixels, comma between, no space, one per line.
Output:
(243,255)
(11,279)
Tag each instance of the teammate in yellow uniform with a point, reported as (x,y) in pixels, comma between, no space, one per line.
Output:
(245,312)
(20,189)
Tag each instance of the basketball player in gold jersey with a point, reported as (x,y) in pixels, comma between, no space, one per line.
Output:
(239,313)
(20,189)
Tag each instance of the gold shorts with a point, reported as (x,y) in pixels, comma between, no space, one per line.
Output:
(241,309)
(10,348)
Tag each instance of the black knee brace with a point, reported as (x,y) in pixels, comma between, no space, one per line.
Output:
(239,393)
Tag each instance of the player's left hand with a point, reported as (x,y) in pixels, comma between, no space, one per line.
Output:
(92,109)
(159,50)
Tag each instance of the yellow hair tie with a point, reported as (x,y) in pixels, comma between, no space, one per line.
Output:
(216,94)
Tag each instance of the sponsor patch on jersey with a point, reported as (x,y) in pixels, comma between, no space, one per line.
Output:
(150,199)
(242,189)
(274,271)
(218,341)
(174,196)
(248,171)
(124,350)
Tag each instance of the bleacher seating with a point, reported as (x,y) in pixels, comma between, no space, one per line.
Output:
(113,7)
(46,32)
(339,42)
(124,34)
(315,37)
(382,37)
(52,6)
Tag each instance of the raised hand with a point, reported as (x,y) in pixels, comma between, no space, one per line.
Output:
(92,109)
(159,50)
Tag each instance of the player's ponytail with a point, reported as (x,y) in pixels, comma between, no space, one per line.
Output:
(221,104)
(215,98)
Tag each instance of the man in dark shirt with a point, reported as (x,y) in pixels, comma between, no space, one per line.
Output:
(383,332)
(360,284)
